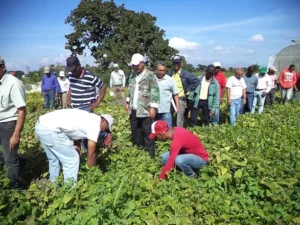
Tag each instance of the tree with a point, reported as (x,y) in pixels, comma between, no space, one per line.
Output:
(113,34)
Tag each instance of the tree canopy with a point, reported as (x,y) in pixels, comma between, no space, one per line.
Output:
(113,34)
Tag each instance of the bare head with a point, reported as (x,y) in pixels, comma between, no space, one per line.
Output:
(160,69)
(239,72)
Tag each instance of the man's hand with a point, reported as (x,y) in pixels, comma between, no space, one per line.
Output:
(221,100)
(212,113)
(14,140)
(244,101)
(127,108)
(263,94)
(94,105)
(229,101)
(42,94)
(296,89)
(152,113)
(177,109)
(78,149)
(107,141)
(122,88)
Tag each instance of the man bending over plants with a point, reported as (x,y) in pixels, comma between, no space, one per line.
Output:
(60,133)
(186,151)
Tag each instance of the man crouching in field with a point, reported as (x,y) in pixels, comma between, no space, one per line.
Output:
(186,151)
(60,133)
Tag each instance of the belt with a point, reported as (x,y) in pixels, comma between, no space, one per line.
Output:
(247,92)
(203,100)
(260,89)
(63,92)
(48,90)
(182,98)
(117,85)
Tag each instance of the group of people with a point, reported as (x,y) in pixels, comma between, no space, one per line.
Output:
(151,102)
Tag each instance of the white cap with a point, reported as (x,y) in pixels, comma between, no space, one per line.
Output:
(46,69)
(61,73)
(216,64)
(109,119)
(136,59)
(115,65)
(272,68)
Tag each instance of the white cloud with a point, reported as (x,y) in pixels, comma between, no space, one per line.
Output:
(257,38)
(181,44)
(248,51)
(222,50)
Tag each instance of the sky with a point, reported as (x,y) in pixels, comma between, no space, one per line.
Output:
(233,32)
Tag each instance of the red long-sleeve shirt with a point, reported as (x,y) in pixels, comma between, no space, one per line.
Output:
(183,142)
(287,79)
(298,81)
(221,78)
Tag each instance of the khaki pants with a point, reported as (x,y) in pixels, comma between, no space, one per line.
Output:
(117,92)
(62,100)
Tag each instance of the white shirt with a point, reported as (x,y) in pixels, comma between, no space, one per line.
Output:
(264,82)
(64,84)
(136,90)
(75,123)
(117,78)
(204,88)
(236,87)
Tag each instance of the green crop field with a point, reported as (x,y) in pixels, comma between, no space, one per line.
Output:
(252,177)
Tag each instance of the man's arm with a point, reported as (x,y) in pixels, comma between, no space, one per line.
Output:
(111,80)
(91,155)
(176,99)
(101,94)
(57,86)
(69,97)
(154,96)
(216,99)
(228,96)
(15,138)
(124,80)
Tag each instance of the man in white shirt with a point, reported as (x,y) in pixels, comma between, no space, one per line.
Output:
(12,117)
(60,133)
(270,97)
(236,94)
(64,85)
(117,81)
(262,89)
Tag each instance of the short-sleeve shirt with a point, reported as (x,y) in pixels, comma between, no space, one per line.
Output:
(12,97)
(167,89)
(236,87)
(75,123)
(83,89)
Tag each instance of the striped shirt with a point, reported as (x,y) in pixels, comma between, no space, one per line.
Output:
(83,90)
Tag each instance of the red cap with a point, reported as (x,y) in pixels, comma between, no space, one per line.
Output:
(158,127)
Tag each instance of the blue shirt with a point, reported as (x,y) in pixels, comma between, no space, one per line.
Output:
(50,83)
(167,89)
(251,83)
(83,90)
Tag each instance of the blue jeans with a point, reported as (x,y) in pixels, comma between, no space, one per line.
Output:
(286,94)
(261,102)
(49,99)
(235,108)
(250,98)
(59,148)
(187,163)
(165,117)
(296,95)
(216,118)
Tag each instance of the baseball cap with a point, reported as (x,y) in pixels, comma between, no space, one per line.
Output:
(177,58)
(273,68)
(217,64)
(158,127)
(263,69)
(2,62)
(109,119)
(61,73)
(46,69)
(72,62)
(210,69)
(115,65)
(136,59)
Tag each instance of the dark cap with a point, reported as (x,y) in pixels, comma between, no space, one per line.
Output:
(210,69)
(177,58)
(72,62)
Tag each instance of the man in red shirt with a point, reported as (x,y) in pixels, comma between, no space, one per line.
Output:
(287,80)
(221,78)
(186,151)
(297,87)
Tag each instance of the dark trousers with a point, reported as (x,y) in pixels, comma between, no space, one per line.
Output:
(203,104)
(11,158)
(270,97)
(140,131)
(249,102)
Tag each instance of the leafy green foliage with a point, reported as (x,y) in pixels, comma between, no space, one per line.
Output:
(113,34)
(252,177)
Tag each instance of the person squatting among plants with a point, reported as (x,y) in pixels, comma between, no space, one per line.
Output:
(186,150)
(60,133)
